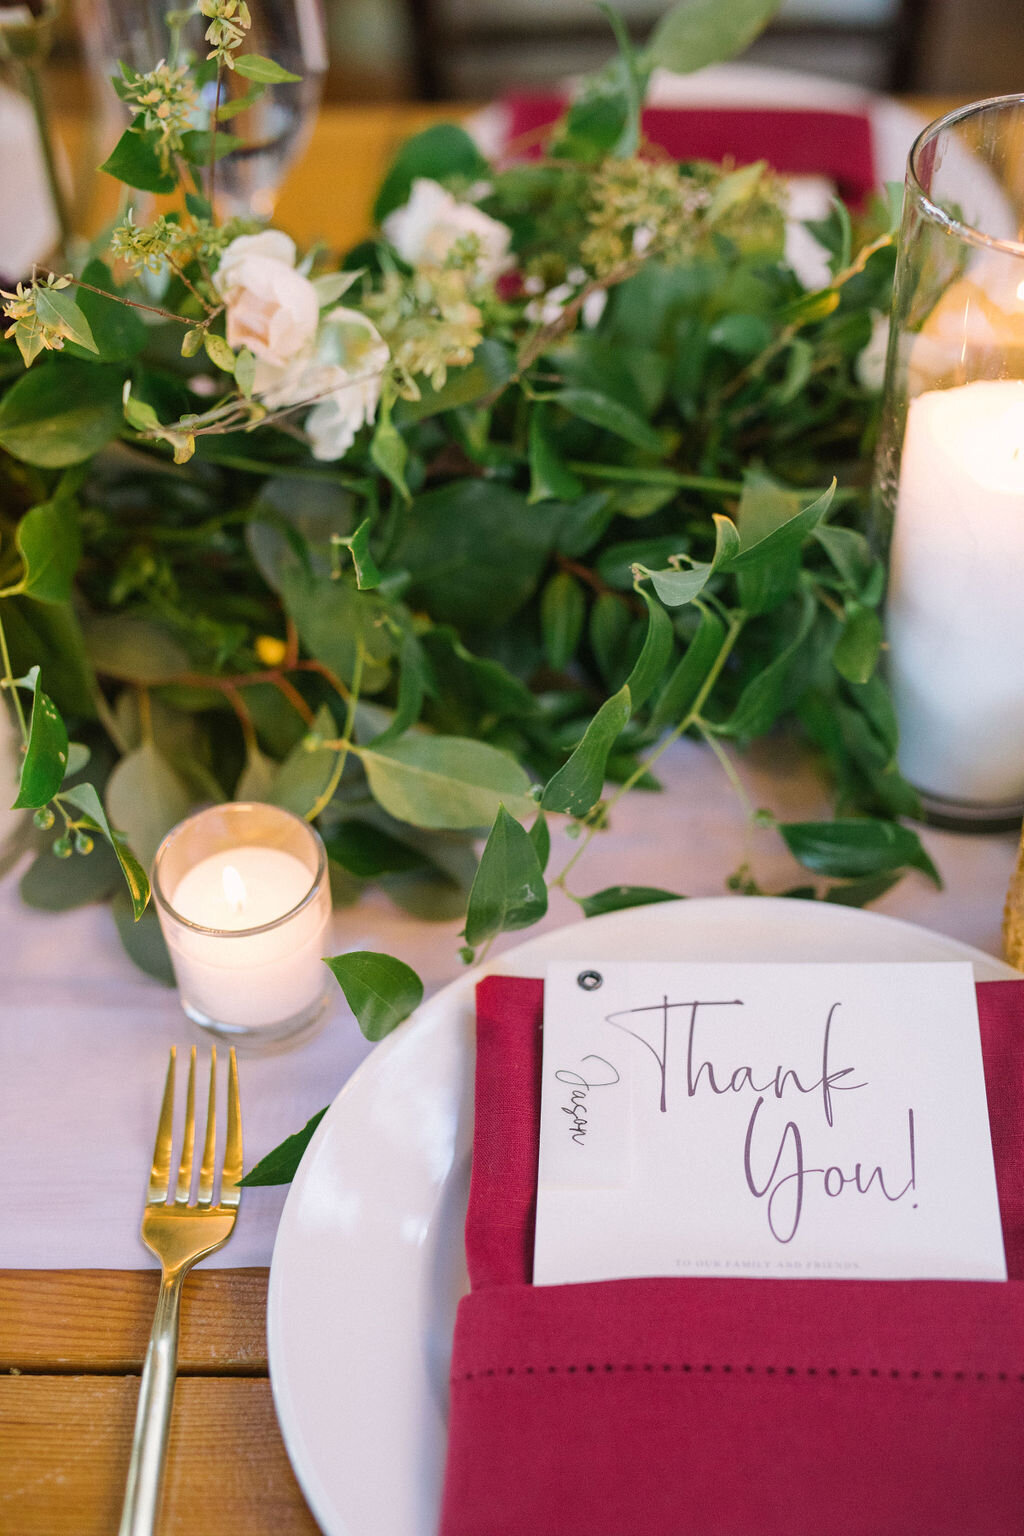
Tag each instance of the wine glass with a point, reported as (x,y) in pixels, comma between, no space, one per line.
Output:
(274,130)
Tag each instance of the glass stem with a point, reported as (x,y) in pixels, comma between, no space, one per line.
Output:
(37,97)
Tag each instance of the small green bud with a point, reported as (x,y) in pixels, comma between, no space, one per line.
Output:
(83,843)
(573,829)
(62,847)
(467,955)
(192,341)
(44,818)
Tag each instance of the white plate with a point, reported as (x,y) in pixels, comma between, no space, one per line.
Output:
(368,1264)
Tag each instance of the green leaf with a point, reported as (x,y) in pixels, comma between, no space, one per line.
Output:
(578,783)
(56,307)
(145,798)
(541,839)
(562,611)
(133,650)
(858,647)
(358,545)
(699,32)
(118,330)
(618,897)
(855,847)
(46,757)
(331,285)
(196,145)
(245,371)
(61,412)
(492,366)
(94,817)
(264,71)
(608,414)
(380,990)
(681,690)
(256,780)
(509,890)
(413,679)
(219,353)
(389,452)
(49,543)
(335,621)
(788,536)
(310,773)
(550,480)
(229,109)
(135,161)
(368,852)
(281,1165)
(445,781)
(653,658)
(139,413)
(850,553)
(763,698)
(78,758)
(475,551)
(858,893)
(678,587)
(50,884)
(439,152)
(142,940)
(607,631)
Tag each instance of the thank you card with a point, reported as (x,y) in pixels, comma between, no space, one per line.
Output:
(822,1120)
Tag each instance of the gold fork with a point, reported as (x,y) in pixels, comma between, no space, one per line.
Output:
(179,1235)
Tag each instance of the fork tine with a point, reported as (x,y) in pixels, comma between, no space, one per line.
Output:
(230,1194)
(206,1170)
(160,1173)
(189,1139)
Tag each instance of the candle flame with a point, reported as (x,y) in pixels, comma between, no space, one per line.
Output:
(234,888)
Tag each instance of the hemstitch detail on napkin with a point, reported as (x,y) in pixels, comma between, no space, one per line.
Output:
(686,1369)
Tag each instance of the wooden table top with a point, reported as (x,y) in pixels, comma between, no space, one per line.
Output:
(72,1342)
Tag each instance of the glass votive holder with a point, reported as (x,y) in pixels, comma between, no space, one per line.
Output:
(243,898)
(950,476)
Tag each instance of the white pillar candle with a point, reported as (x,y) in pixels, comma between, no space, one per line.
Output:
(956,596)
(232,968)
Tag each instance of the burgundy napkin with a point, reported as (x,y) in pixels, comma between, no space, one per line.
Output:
(692,1407)
(794,141)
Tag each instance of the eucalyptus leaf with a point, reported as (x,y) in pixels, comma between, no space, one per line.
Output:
(859,893)
(445,781)
(50,884)
(368,852)
(133,649)
(618,897)
(145,798)
(142,940)
(413,681)
(509,890)
(676,587)
(541,839)
(45,762)
(256,780)
(380,990)
(577,785)
(309,774)
(281,1164)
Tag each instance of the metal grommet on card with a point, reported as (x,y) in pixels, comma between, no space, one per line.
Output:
(589,980)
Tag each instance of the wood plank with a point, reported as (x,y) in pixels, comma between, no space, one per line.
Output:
(65,1443)
(99,1320)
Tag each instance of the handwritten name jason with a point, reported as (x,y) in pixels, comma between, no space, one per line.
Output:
(580,1087)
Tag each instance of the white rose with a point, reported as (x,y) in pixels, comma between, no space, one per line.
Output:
(341,379)
(425,229)
(271,308)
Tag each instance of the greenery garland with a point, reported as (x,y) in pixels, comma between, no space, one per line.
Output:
(563,464)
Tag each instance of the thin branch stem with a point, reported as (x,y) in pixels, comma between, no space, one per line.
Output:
(152,309)
(9,683)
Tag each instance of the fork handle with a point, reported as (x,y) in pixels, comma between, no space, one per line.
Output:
(153,1415)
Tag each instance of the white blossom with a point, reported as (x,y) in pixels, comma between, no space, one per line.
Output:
(426,229)
(271,308)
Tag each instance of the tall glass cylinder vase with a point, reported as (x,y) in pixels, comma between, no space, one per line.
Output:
(950,477)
